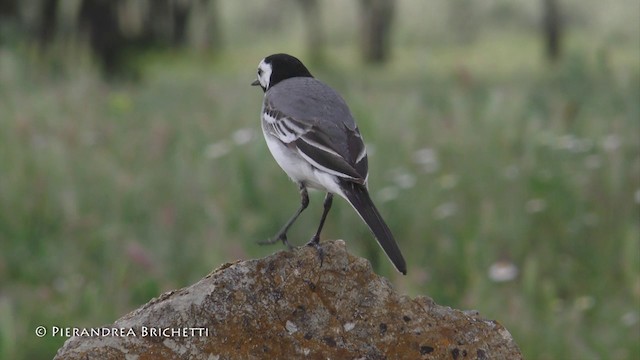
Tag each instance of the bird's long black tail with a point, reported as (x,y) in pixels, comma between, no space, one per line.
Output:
(359,198)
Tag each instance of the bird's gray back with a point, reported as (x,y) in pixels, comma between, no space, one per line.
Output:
(311,101)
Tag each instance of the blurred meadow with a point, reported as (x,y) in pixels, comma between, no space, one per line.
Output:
(511,182)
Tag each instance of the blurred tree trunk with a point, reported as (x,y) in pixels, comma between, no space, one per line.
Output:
(377,18)
(47,26)
(181,10)
(169,23)
(8,17)
(213,30)
(99,18)
(552,30)
(158,28)
(9,8)
(204,18)
(315,34)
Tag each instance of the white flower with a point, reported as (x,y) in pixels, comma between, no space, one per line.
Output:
(427,159)
(503,271)
(630,318)
(216,150)
(388,193)
(446,210)
(404,179)
(535,206)
(242,136)
(611,143)
(574,144)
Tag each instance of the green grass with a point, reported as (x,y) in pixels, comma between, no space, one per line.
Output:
(111,194)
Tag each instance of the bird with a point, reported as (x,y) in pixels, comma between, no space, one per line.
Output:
(312,135)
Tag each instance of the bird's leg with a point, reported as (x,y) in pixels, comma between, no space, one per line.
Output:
(282,234)
(315,240)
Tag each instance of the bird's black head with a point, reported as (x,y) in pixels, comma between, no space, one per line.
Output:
(277,67)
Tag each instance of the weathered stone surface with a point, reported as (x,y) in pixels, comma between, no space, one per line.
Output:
(287,306)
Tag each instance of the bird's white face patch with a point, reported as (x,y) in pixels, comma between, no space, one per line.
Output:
(264,74)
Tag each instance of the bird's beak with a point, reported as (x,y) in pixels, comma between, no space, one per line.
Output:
(256,82)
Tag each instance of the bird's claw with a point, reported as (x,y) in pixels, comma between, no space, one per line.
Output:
(315,242)
(280,237)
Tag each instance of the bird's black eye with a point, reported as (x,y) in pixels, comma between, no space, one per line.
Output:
(259,72)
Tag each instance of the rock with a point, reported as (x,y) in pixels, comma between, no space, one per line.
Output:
(288,306)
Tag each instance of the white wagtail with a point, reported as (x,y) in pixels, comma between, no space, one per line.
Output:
(311,133)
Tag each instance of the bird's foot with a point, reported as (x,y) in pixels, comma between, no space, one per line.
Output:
(279,237)
(315,242)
